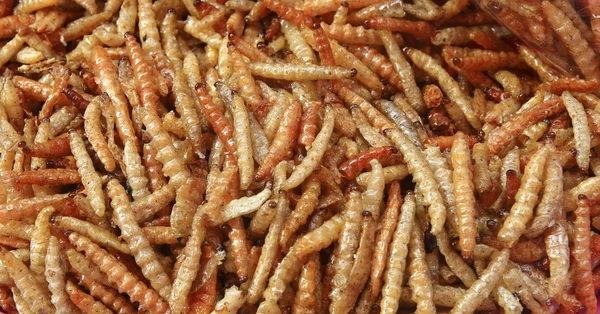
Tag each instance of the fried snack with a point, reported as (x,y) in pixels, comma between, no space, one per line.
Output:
(55,272)
(464,189)
(314,154)
(483,286)
(120,276)
(278,157)
(139,245)
(109,296)
(525,200)
(84,301)
(39,241)
(583,280)
(32,292)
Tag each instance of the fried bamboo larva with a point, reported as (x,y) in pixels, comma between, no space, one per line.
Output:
(94,232)
(552,197)
(10,49)
(464,190)
(368,132)
(190,264)
(39,241)
(420,281)
(20,304)
(584,287)
(283,141)
(305,301)
(119,275)
(241,206)
(481,288)
(246,84)
(108,80)
(136,177)
(293,72)
(346,249)
(391,291)
(576,45)
(297,43)
(270,248)
(242,135)
(84,301)
(447,83)
(412,91)
(304,208)
(89,177)
(93,129)
(405,118)
(423,176)
(139,245)
(184,102)
(443,175)
(33,294)
(231,302)
(109,296)
(55,272)
(352,167)
(384,237)
(581,129)
(349,34)
(291,264)
(187,199)
(83,26)
(499,137)
(557,249)
(525,200)
(314,154)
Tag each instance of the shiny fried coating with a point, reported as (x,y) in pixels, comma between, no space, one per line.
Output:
(119,275)
(282,142)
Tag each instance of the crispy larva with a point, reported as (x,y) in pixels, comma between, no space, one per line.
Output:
(184,102)
(187,200)
(119,275)
(84,301)
(39,241)
(139,245)
(525,200)
(304,207)
(412,91)
(34,295)
(390,293)
(464,189)
(242,135)
(448,85)
(289,267)
(93,130)
(80,264)
(109,296)
(314,154)
(549,207)
(423,177)
(346,248)
(108,82)
(584,288)
(483,286)
(89,177)
(96,233)
(55,272)
(269,250)
(248,195)
(581,129)
(576,45)
(190,264)
(283,140)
